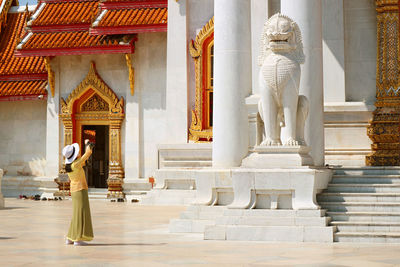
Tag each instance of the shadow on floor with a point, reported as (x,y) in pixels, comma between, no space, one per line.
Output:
(12,208)
(6,238)
(124,244)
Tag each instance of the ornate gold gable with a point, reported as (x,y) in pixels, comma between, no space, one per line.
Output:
(202,52)
(92,102)
(384,129)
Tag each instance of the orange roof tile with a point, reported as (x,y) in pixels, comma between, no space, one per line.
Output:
(130,17)
(9,64)
(66,12)
(66,40)
(23,88)
(20,78)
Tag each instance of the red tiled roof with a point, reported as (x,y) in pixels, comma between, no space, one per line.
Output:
(62,28)
(66,39)
(20,78)
(9,64)
(140,16)
(74,43)
(23,88)
(66,12)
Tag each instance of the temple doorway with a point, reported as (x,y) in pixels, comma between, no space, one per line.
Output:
(94,107)
(97,165)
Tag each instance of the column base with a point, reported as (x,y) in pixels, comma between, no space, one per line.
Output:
(284,157)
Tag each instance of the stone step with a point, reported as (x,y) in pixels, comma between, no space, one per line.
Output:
(272,221)
(367,237)
(270,233)
(188,226)
(382,227)
(364,216)
(274,213)
(365,179)
(186,163)
(367,171)
(200,208)
(361,206)
(364,188)
(358,197)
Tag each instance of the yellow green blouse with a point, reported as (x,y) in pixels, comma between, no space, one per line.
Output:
(77,176)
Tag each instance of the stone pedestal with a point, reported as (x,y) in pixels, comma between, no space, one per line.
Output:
(1,195)
(278,188)
(278,157)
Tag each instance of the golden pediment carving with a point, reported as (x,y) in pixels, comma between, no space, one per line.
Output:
(93,81)
(95,103)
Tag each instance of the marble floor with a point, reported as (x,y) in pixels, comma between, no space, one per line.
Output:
(31,234)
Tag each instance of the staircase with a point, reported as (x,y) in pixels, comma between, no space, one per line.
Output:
(364,204)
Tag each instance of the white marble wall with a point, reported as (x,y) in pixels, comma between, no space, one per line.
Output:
(23,137)
(145,124)
(349,47)
(333,50)
(150,60)
(360,50)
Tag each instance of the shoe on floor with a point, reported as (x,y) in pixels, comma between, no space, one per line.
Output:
(68,242)
(80,243)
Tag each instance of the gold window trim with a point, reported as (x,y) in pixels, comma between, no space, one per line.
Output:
(200,130)
(74,118)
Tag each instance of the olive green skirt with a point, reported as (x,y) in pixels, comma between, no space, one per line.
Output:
(81,223)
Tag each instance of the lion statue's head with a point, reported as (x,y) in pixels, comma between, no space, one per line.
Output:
(281,35)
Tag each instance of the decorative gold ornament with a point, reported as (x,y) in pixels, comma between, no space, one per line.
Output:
(96,103)
(50,75)
(4,12)
(384,128)
(92,102)
(200,129)
(131,72)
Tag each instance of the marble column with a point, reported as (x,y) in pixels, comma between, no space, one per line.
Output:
(53,132)
(333,51)
(177,81)
(232,81)
(308,14)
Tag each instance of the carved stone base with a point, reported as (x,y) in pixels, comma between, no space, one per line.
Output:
(284,157)
(278,188)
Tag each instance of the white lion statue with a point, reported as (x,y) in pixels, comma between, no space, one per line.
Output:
(281,107)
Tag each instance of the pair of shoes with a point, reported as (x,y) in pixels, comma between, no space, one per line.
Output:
(68,242)
(80,243)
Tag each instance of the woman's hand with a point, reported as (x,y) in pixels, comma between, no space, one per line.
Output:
(88,150)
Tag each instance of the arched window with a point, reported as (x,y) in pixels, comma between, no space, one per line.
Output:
(202,51)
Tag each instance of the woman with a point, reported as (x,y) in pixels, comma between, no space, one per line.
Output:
(80,229)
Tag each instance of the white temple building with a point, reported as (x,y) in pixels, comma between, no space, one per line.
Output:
(138,77)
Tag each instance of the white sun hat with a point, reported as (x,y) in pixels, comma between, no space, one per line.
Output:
(70,153)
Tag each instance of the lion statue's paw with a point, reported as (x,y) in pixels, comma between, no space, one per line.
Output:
(271,142)
(291,142)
